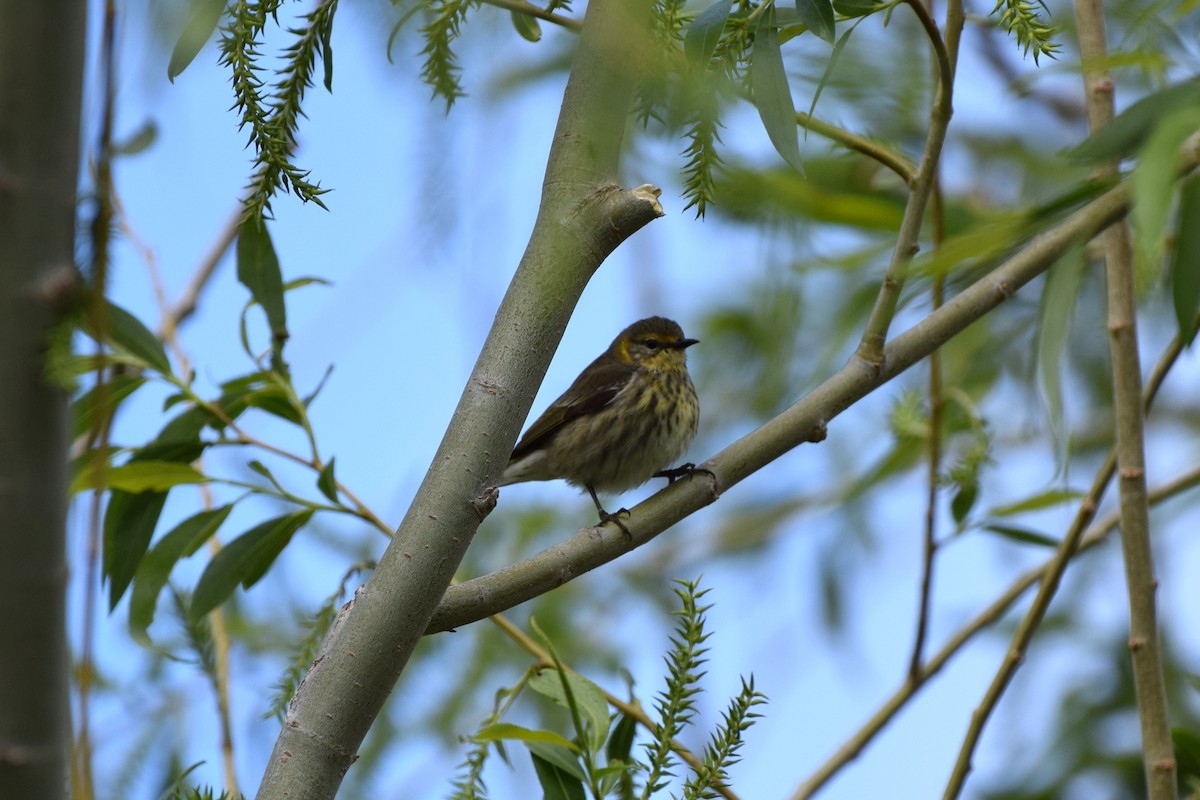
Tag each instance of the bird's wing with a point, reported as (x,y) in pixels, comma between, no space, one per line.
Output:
(594,389)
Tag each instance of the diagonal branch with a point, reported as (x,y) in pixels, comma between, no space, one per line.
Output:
(804,422)
(582,218)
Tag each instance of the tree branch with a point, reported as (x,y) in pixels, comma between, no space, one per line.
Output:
(582,218)
(805,421)
(1158,753)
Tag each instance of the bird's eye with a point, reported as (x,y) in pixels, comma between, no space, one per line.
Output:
(653,344)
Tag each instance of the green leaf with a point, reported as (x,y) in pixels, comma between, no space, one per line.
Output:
(817,16)
(327,483)
(327,55)
(769,85)
(244,561)
(562,758)
(138,142)
(129,523)
(527,26)
(1037,502)
(507,731)
(1185,261)
(856,8)
(137,476)
(620,744)
(258,270)
(588,697)
(125,333)
(556,784)
(833,60)
(1153,186)
(155,569)
(1021,534)
(1122,137)
(100,402)
(275,401)
(1054,322)
(700,41)
(202,21)
(963,501)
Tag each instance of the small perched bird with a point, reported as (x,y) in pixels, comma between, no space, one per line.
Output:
(626,417)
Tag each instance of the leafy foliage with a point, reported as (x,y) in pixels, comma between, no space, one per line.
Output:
(598,760)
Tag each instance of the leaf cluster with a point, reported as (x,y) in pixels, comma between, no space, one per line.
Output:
(598,760)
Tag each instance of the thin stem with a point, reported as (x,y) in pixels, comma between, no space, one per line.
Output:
(522,7)
(1158,754)
(889,158)
(936,404)
(863,736)
(870,348)
(187,303)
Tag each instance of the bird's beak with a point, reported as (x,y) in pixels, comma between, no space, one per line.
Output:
(684,344)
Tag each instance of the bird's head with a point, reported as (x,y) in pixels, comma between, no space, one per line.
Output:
(653,343)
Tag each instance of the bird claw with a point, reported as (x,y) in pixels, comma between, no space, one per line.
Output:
(689,469)
(615,519)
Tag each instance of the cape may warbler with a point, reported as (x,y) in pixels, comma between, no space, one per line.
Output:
(627,416)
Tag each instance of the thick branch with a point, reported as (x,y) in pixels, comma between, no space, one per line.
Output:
(803,422)
(582,218)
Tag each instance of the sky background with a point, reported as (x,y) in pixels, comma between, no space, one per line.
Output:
(429,215)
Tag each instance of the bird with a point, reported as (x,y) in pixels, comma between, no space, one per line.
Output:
(629,414)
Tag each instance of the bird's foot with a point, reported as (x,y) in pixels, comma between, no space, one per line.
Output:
(689,469)
(615,519)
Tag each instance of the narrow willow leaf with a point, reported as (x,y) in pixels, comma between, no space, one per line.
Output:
(856,8)
(556,784)
(100,402)
(327,55)
(1121,137)
(962,502)
(833,60)
(506,730)
(137,476)
(1185,261)
(244,561)
(258,270)
(1037,502)
(817,16)
(772,97)
(126,334)
(528,27)
(327,483)
(276,402)
(589,699)
(1057,308)
(138,142)
(620,744)
(700,41)
(1022,535)
(1153,185)
(154,570)
(561,757)
(202,21)
(129,523)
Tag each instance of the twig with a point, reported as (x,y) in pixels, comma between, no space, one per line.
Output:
(522,7)
(1052,574)
(863,736)
(188,301)
(870,348)
(1158,754)
(889,158)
